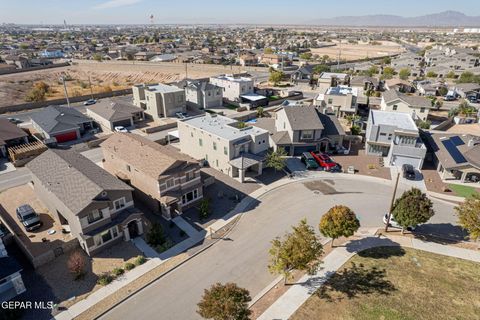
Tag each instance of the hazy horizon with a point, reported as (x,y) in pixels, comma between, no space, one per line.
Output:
(213,11)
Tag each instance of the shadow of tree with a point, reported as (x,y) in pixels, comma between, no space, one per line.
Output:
(355,280)
(382,252)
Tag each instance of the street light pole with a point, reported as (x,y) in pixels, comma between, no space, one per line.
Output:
(62,78)
(392,202)
(90,84)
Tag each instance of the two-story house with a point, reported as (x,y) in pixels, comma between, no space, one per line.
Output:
(417,107)
(233,87)
(86,200)
(11,283)
(394,135)
(340,101)
(332,79)
(164,179)
(159,100)
(201,93)
(229,146)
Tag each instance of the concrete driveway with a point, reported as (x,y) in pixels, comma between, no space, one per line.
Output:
(243,258)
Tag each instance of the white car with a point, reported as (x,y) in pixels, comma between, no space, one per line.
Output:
(394,224)
(120,129)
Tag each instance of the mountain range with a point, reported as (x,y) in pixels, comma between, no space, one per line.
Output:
(442,19)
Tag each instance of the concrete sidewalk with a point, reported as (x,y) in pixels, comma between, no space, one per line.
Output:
(291,300)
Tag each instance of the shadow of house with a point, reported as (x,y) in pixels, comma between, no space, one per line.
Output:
(443,233)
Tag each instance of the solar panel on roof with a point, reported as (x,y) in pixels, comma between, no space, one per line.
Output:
(453,151)
(457,141)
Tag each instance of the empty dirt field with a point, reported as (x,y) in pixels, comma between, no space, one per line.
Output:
(351,52)
(104,76)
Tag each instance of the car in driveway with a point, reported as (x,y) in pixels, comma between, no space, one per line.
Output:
(324,161)
(408,171)
(89,102)
(28,217)
(120,129)
(394,224)
(14,120)
(309,161)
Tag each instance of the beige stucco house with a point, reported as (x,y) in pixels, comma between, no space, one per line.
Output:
(418,107)
(159,100)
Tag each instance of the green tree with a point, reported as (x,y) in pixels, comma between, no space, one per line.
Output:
(204,208)
(38,92)
(260,112)
(404,74)
(276,159)
(320,68)
(386,60)
(276,77)
(468,77)
(298,250)
(355,130)
(442,91)
(412,208)
(431,74)
(268,50)
(388,72)
(155,235)
(225,302)
(424,124)
(373,70)
(468,214)
(306,56)
(451,75)
(97,57)
(339,221)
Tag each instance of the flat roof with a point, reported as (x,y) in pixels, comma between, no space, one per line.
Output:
(399,119)
(326,75)
(163,88)
(233,79)
(342,91)
(253,96)
(222,126)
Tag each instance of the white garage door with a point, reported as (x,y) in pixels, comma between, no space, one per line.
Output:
(398,161)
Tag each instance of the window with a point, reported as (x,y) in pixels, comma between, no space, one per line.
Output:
(191,134)
(170,183)
(115,232)
(119,204)
(190,196)
(106,236)
(216,162)
(94,216)
(225,151)
(383,134)
(307,134)
(200,142)
(395,107)
(214,145)
(422,109)
(128,168)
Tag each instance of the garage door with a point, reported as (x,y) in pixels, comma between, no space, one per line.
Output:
(398,161)
(299,150)
(67,136)
(123,123)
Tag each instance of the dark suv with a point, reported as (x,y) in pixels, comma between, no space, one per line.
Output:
(408,171)
(309,161)
(28,217)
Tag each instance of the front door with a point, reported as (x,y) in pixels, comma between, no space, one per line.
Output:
(133,229)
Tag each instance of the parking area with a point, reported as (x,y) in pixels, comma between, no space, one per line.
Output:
(41,241)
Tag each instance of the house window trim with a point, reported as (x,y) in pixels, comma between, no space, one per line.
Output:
(93,220)
(120,207)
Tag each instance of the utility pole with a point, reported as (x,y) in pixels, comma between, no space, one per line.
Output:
(186,70)
(392,202)
(62,78)
(90,84)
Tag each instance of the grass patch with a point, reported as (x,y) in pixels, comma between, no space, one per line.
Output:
(273,98)
(397,283)
(462,191)
(230,106)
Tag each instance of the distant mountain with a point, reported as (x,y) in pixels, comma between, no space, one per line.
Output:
(442,19)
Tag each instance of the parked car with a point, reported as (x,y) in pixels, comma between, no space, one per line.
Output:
(89,102)
(309,161)
(121,129)
(14,120)
(450,98)
(325,161)
(394,224)
(473,99)
(28,217)
(408,171)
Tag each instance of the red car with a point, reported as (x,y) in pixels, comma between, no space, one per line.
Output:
(324,161)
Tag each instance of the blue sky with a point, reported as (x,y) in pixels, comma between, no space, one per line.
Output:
(215,11)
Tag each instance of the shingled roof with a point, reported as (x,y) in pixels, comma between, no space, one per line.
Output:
(303,118)
(59,118)
(147,156)
(72,178)
(9,131)
(414,101)
(113,110)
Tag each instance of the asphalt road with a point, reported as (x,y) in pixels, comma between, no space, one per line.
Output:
(243,258)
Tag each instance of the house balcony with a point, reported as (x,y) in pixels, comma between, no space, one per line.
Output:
(417,150)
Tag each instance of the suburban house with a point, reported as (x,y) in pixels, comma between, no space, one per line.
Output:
(165,179)
(468,89)
(394,135)
(457,157)
(399,85)
(62,123)
(303,74)
(10,135)
(11,283)
(86,200)
(110,113)
(417,107)
(248,59)
(332,79)
(340,101)
(233,87)
(201,93)
(159,100)
(229,146)
(299,129)
(18,61)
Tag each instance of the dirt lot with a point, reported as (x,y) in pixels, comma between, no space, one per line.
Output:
(104,76)
(359,51)
(15,197)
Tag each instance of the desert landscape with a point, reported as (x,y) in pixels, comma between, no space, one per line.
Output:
(350,52)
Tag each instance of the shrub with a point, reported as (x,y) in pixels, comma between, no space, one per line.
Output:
(204,210)
(129,266)
(118,272)
(140,260)
(76,264)
(165,246)
(155,235)
(105,279)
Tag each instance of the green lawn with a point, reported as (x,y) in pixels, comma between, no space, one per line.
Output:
(462,191)
(398,283)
